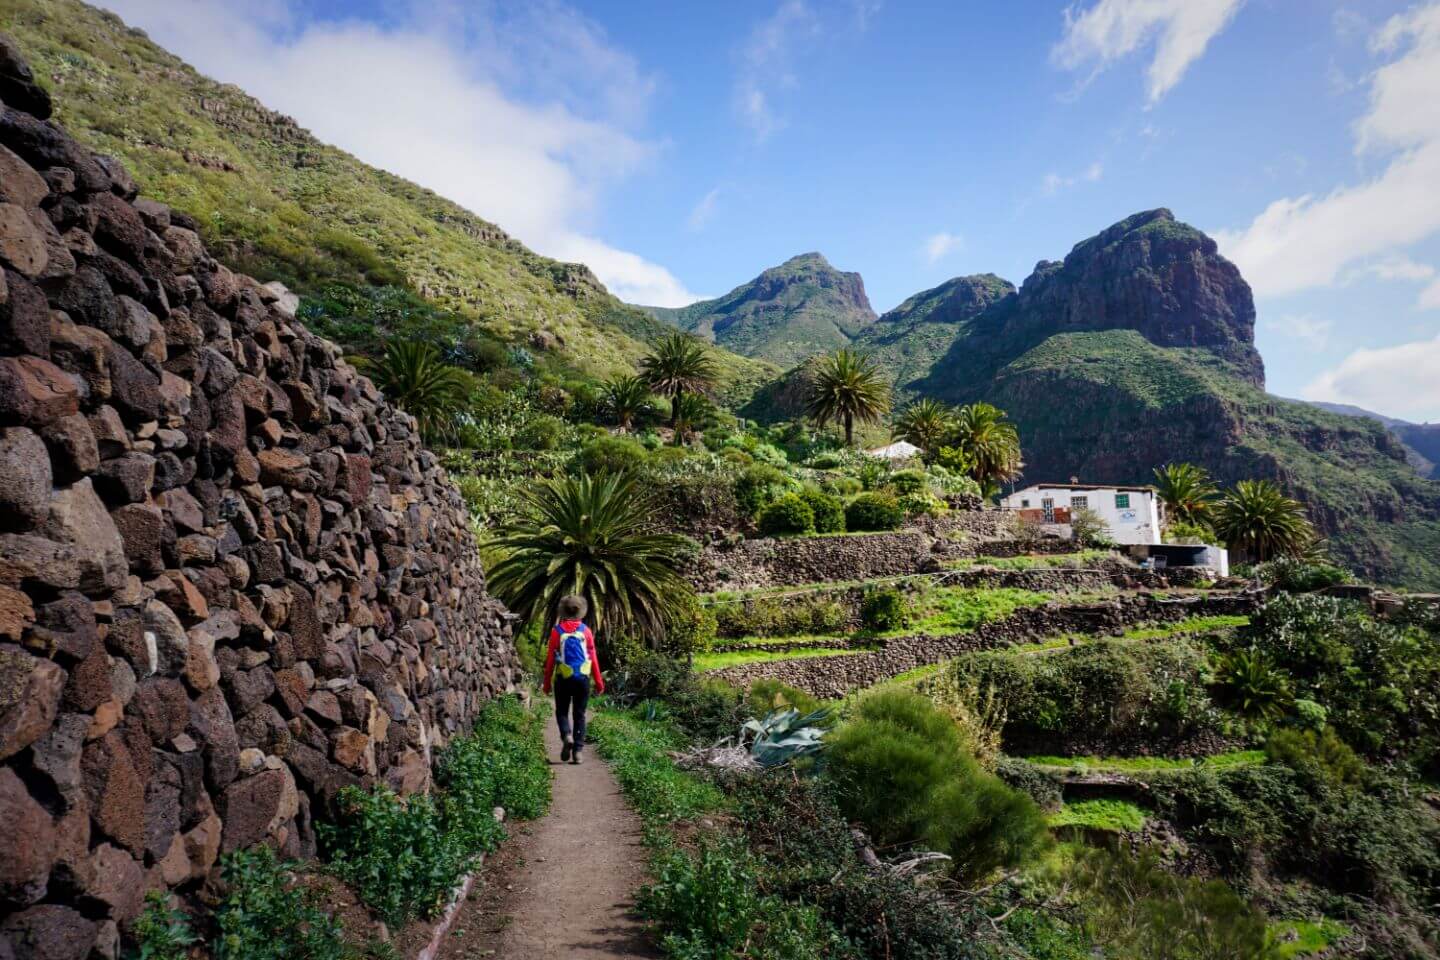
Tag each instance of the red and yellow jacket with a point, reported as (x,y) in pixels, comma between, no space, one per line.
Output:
(553,651)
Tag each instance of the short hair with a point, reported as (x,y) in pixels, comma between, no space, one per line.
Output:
(572,607)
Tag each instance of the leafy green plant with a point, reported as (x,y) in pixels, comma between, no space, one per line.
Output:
(413,375)
(828,511)
(1299,575)
(1187,493)
(1317,754)
(678,365)
(789,514)
(905,482)
(920,505)
(983,437)
(612,455)
(263,916)
(1258,518)
(848,387)
(784,735)
(1118,816)
(767,695)
(885,609)
(873,511)
(926,423)
(759,485)
(1256,687)
(162,933)
(626,398)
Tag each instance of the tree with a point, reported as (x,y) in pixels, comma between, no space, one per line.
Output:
(626,397)
(1260,519)
(415,378)
(925,423)
(688,411)
(847,386)
(1187,492)
(678,364)
(990,442)
(593,536)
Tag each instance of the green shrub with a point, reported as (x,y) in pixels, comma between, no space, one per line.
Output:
(263,917)
(841,485)
(162,933)
(689,626)
(758,485)
(767,695)
(781,616)
(1253,685)
(829,511)
(873,511)
(612,455)
(789,514)
(1310,715)
(1316,754)
(1297,575)
(706,710)
(884,609)
(826,461)
(1042,786)
(544,432)
(920,505)
(906,482)
(901,769)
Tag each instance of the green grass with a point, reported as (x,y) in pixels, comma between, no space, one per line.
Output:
(1190,625)
(1309,937)
(638,753)
(1040,561)
(718,661)
(1118,816)
(1234,758)
(949,610)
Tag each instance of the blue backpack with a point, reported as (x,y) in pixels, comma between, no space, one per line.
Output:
(572,658)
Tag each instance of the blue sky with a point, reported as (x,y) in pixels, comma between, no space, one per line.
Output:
(681,148)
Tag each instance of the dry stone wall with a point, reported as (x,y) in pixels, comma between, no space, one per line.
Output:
(231,579)
(791,561)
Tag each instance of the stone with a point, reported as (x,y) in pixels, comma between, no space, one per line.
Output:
(35,392)
(161,707)
(25,479)
(22,242)
(85,296)
(16,614)
(324,707)
(118,227)
(30,691)
(114,790)
(19,183)
(24,316)
(202,845)
(73,450)
(30,843)
(211,725)
(136,391)
(56,756)
(48,931)
(126,478)
(155,214)
(119,888)
(78,518)
(110,434)
(18,87)
(89,684)
(44,145)
(247,807)
(201,670)
(285,468)
(65,629)
(142,529)
(354,750)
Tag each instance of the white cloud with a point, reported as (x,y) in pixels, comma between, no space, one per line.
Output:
(765,64)
(1053,182)
(629,276)
(1430,297)
(1310,331)
(1113,29)
(1398,381)
(1399,267)
(939,245)
(701,213)
(1298,243)
(432,99)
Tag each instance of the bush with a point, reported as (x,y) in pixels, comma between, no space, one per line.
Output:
(1316,754)
(767,695)
(544,432)
(1296,575)
(689,626)
(900,768)
(841,485)
(905,482)
(789,514)
(757,486)
(826,461)
(1090,529)
(884,609)
(781,616)
(706,710)
(829,511)
(612,455)
(162,933)
(263,917)
(1041,786)
(873,511)
(920,505)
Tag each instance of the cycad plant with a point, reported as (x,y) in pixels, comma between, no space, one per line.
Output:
(848,386)
(1260,519)
(990,442)
(925,423)
(1187,492)
(678,365)
(416,379)
(592,536)
(626,397)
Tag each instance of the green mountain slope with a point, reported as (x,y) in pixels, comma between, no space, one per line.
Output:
(788,313)
(1421,440)
(275,202)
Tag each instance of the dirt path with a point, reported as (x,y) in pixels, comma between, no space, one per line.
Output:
(563,886)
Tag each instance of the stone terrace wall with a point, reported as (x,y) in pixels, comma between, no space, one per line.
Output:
(231,580)
(833,677)
(791,561)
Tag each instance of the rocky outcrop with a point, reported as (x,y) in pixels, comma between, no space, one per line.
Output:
(231,579)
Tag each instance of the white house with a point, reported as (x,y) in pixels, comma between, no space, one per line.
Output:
(899,450)
(1132,514)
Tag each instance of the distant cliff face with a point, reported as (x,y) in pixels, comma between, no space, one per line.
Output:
(788,313)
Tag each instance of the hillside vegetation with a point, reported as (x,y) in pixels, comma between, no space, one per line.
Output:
(275,202)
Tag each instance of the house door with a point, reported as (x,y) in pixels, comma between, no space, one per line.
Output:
(1047,508)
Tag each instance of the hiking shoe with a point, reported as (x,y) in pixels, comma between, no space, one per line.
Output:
(575,757)
(565,751)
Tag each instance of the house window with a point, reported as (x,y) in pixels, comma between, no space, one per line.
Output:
(1024,504)
(1047,506)
(1079,503)
(1122,501)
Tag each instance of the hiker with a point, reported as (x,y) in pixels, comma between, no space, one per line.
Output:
(570,668)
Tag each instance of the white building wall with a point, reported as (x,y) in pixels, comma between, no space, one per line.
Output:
(1137,522)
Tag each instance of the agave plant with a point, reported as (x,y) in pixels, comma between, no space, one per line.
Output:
(679,365)
(847,386)
(591,536)
(784,735)
(1260,519)
(417,380)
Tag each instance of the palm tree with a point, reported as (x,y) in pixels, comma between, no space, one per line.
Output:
(594,536)
(1259,518)
(415,378)
(847,386)
(627,397)
(1187,492)
(925,423)
(990,442)
(687,411)
(679,364)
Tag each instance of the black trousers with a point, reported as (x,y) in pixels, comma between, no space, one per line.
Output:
(572,695)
